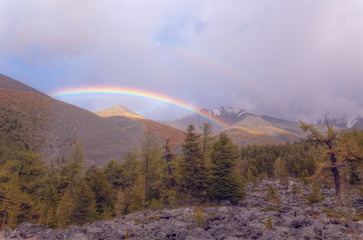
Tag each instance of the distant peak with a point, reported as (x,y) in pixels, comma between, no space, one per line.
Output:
(224,111)
(117,110)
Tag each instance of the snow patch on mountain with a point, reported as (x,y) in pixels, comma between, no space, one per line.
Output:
(351,123)
(226,110)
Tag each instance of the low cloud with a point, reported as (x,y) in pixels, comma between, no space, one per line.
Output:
(294,60)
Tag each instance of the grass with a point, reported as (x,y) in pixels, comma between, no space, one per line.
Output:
(272,208)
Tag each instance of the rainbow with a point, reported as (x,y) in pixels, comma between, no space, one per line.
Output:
(133,93)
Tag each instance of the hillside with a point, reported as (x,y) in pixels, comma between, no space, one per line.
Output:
(137,125)
(12,84)
(51,127)
(260,130)
(245,128)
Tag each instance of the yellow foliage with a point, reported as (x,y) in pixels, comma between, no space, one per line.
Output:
(268,224)
(199,218)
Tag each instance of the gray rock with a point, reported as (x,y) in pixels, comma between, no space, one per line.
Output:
(276,234)
(301,221)
(199,233)
(8,231)
(28,230)
(245,221)
(79,236)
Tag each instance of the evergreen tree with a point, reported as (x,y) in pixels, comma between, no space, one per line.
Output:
(115,174)
(131,169)
(84,204)
(193,172)
(102,189)
(66,208)
(224,181)
(281,171)
(168,185)
(71,172)
(135,199)
(22,176)
(151,158)
(206,135)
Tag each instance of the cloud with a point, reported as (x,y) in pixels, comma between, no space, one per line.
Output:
(289,59)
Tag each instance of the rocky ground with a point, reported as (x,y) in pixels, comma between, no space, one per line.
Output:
(290,218)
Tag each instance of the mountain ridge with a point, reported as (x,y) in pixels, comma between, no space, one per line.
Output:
(12,84)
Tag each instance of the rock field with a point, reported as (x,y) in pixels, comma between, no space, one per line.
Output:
(290,218)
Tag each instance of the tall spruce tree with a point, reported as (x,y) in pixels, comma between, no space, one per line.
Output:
(206,134)
(151,159)
(224,181)
(168,183)
(193,172)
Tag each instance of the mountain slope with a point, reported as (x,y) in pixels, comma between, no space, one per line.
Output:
(51,127)
(245,128)
(11,84)
(254,129)
(137,125)
(118,111)
(226,115)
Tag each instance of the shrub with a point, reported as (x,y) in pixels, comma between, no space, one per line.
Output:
(271,194)
(268,224)
(199,218)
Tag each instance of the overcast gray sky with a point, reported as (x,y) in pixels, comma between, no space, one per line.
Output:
(286,58)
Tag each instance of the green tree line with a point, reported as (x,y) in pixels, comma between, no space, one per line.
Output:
(207,170)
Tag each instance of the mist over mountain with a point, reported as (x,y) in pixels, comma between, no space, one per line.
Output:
(344,122)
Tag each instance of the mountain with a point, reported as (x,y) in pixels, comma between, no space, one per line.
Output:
(227,115)
(244,127)
(344,122)
(137,126)
(259,130)
(51,127)
(12,84)
(118,111)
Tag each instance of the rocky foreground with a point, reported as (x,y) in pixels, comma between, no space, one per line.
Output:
(253,218)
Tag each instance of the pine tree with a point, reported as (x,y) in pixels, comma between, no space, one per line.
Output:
(193,172)
(102,190)
(281,171)
(151,158)
(84,205)
(131,169)
(224,181)
(135,199)
(206,133)
(168,184)
(115,174)
(21,179)
(70,173)
(66,208)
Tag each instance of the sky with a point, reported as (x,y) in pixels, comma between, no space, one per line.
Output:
(284,58)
